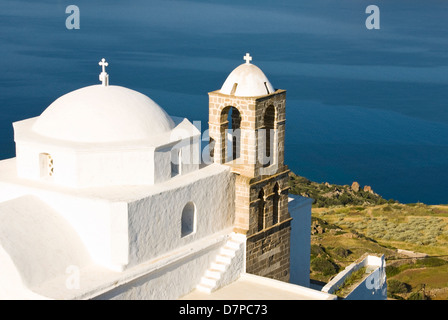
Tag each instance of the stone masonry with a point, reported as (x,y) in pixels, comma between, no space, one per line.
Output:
(261,175)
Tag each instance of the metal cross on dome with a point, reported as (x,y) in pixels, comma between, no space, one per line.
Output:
(104,64)
(104,77)
(248,58)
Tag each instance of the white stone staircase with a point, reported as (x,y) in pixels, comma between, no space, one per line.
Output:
(227,266)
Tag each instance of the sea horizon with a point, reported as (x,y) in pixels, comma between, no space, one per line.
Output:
(361,105)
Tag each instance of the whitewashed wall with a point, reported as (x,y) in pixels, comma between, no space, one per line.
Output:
(114,167)
(82,165)
(100,224)
(176,275)
(300,210)
(155,221)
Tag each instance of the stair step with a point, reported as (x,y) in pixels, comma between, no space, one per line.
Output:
(227,251)
(223,259)
(233,244)
(218,266)
(208,281)
(213,274)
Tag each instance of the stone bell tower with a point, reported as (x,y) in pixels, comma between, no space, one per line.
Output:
(247,133)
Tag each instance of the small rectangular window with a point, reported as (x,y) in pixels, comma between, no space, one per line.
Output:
(235,85)
(46,165)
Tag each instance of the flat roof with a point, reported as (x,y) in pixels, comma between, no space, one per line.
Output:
(252,287)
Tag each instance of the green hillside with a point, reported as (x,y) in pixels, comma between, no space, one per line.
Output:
(326,194)
(343,230)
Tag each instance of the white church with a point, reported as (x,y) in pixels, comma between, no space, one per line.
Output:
(109,197)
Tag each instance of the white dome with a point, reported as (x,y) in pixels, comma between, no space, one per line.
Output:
(247,80)
(103,114)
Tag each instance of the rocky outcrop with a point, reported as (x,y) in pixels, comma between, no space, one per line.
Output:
(355,186)
(368,189)
(327,195)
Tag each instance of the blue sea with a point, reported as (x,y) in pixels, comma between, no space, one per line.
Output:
(365,105)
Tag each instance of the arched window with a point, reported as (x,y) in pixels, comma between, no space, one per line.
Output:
(275,203)
(269,120)
(260,213)
(188,223)
(233,133)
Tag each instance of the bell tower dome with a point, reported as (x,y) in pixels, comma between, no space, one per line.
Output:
(247,133)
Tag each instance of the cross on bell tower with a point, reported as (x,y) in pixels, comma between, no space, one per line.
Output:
(248,58)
